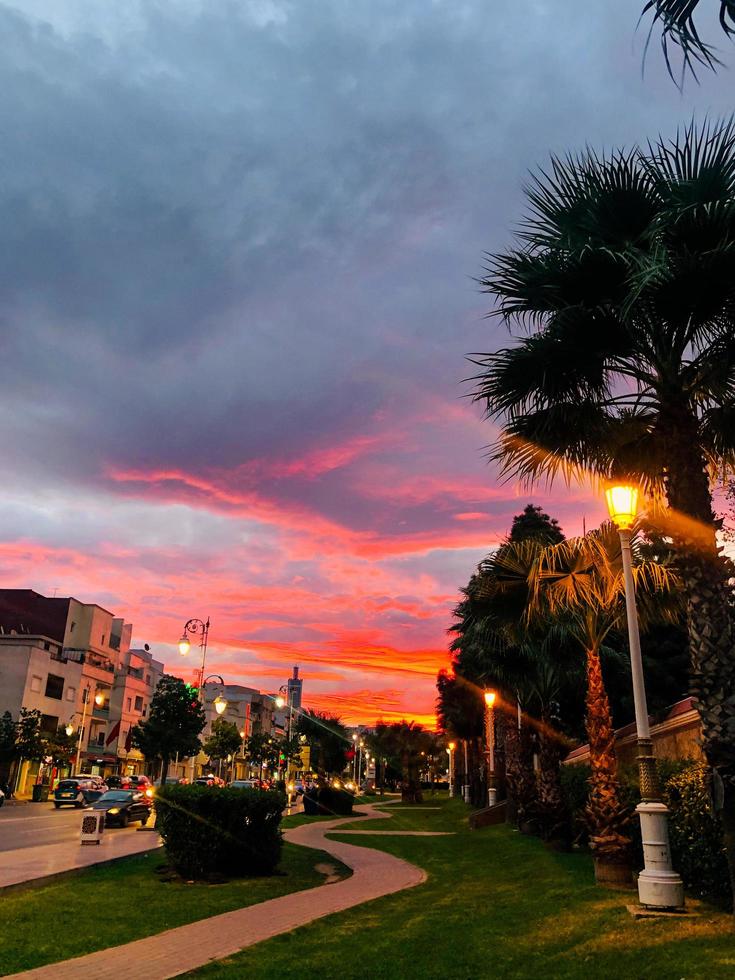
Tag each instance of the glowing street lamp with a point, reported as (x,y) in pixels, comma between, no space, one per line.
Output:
(659,886)
(492,791)
(184,645)
(69,729)
(450,751)
(280,701)
(220,705)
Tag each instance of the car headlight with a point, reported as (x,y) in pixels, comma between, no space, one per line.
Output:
(149,793)
(113,810)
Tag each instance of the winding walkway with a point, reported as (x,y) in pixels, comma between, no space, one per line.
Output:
(185,948)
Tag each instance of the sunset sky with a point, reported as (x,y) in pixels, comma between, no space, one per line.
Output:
(238,245)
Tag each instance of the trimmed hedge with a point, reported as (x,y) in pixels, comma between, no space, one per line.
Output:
(328,800)
(211,831)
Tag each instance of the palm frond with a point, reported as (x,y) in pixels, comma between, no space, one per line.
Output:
(676,19)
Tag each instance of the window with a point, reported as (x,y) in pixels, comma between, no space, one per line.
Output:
(54,687)
(139,704)
(71,694)
(49,724)
(46,645)
(36,684)
(103,639)
(129,704)
(101,738)
(148,679)
(71,627)
(144,710)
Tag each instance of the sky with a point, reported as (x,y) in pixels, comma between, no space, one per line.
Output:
(239,242)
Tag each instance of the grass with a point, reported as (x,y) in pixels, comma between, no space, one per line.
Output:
(496,905)
(107,906)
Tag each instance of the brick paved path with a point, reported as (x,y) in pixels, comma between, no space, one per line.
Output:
(176,951)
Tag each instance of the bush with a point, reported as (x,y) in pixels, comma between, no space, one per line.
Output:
(210,831)
(337,801)
(696,836)
(695,832)
(328,800)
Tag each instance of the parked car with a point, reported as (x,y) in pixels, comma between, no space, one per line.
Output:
(119,782)
(141,784)
(78,791)
(209,780)
(123,805)
(245,784)
(173,781)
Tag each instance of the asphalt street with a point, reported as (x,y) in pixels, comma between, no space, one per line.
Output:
(33,824)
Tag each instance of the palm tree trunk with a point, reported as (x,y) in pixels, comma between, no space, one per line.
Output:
(607,817)
(518,772)
(549,782)
(709,612)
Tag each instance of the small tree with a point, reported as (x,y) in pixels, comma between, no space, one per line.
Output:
(224,741)
(261,748)
(59,746)
(174,724)
(535,524)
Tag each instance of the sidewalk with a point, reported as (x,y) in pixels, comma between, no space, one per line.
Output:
(29,864)
(171,953)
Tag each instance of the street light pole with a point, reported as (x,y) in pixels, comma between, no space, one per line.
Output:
(197,627)
(450,749)
(99,698)
(659,886)
(492,791)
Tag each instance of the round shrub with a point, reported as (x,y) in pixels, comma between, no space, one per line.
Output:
(211,831)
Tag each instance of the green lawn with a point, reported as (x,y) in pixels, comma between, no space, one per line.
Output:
(496,905)
(111,905)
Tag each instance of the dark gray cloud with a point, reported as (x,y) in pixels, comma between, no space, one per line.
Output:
(233,230)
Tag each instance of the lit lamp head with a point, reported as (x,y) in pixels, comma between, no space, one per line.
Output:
(69,729)
(99,699)
(452,746)
(354,737)
(490,698)
(220,705)
(622,504)
(184,644)
(280,702)
(243,733)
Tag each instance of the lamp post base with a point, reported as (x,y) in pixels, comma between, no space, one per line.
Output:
(492,796)
(659,886)
(466,792)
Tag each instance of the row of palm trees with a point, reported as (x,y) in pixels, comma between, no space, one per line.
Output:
(622,281)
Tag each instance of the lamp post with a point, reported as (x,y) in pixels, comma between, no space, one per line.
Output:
(99,700)
(354,757)
(466,774)
(195,627)
(492,792)
(450,751)
(659,886)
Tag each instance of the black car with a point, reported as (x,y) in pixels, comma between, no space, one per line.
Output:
(123,805)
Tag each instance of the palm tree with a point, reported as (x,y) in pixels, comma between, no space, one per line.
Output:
(581,581)
(625,277)
(676,20)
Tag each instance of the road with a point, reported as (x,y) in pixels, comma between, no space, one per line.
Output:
(39,823)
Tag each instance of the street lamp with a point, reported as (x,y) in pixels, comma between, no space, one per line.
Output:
(69,729)
(195,627)
(492,792)
(450,751)
(659,886)
(99,699)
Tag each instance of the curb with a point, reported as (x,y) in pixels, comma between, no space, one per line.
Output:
(21,886)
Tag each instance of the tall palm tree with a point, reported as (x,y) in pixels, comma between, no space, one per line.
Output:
(624,276)
(582,581)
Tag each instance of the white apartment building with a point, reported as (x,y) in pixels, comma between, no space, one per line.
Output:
(72,661)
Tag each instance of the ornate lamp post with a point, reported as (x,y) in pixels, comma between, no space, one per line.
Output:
(450,751)
(492,792)
(195,627)
(659,886)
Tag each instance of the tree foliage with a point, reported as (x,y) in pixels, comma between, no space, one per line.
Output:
(175,721)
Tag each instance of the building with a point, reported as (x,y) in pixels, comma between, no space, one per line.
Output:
(72,661)
(294,687)
(247,708)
